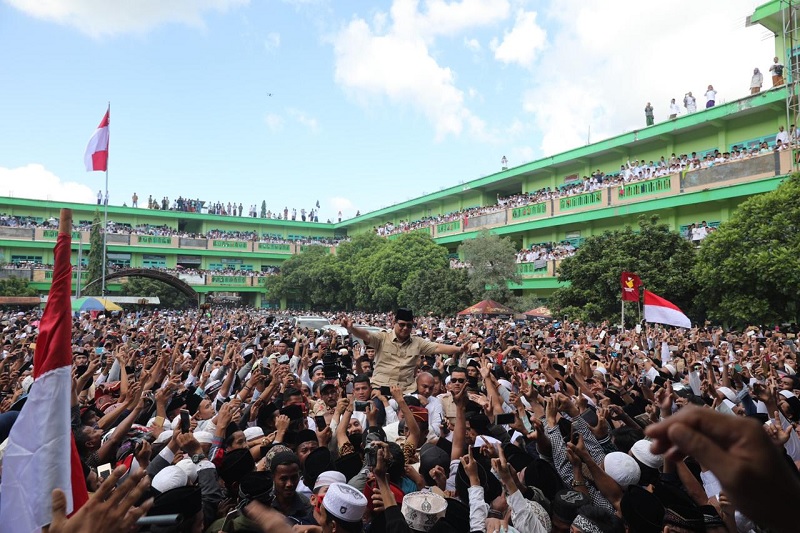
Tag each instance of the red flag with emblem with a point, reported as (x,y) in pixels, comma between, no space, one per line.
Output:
(630,287)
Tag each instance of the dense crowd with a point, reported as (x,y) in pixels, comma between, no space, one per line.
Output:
(245,422)
(117,228)
(630,172)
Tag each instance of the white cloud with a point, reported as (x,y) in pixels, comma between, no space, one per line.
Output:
(521,155)
(272,41)
(301,117)
(341,204)
(472,45)
(599,71)
(474,94)
(522,44)
(394,60)
(103,17)
(35,181)
(274,122)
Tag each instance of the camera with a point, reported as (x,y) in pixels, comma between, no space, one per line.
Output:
(371,455)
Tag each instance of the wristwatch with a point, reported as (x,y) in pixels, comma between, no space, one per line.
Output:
(196,458)
(578,483)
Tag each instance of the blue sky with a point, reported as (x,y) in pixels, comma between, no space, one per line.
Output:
(372,102)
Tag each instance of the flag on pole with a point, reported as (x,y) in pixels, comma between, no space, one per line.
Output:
(41,453)
(630,286)
(96,156)
(661,311)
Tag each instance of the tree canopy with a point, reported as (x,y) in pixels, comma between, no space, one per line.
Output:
(96,255)
(367,273)
(492,265)
(662,258)
(749,269)
(443,291)
(15,286)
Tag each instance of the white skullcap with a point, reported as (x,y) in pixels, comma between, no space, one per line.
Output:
(505,383)
(169,478)
(253,433)
(164,436)
(622,468)
(786,394)
(204,437)
(248,351)
(26,384)
(345,502)
(728,393)
(328,478)
(671,368)
(423,509)
(761,407)
(641,451)
(188,466)
(343,351)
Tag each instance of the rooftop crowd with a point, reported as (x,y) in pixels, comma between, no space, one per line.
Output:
(568,426)
(189,205)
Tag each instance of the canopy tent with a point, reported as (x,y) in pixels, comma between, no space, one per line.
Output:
(89,303)
(539,312)
(487,307)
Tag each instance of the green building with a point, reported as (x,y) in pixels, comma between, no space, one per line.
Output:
(680,199)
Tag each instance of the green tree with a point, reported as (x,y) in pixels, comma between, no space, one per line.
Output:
(443,291)
(170,297)
(378,277)
(749,269)
(525,303)
(662,258)
(492,266)
(263,209)
(367,273)
(15,286)
(309,276)
(96,256)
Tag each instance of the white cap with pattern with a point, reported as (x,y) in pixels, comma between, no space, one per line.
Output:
(344,502)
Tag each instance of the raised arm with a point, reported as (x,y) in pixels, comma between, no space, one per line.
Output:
(355,331)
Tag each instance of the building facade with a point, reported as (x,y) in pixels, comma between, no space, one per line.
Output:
(231,255)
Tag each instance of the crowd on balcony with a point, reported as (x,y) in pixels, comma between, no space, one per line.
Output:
(546,252)
(177,272)
(117,228)
(698,231)
(637,170)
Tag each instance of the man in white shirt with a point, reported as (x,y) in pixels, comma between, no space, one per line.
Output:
(425,386)
(782,136)
(674,109)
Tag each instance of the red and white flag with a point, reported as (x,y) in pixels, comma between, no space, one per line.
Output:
(96,156)
(661,311)
(41,453)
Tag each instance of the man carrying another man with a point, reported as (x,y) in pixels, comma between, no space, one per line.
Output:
(397,352)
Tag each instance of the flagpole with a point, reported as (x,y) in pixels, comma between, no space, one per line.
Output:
(623,315)
(639,303)
(105,214)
